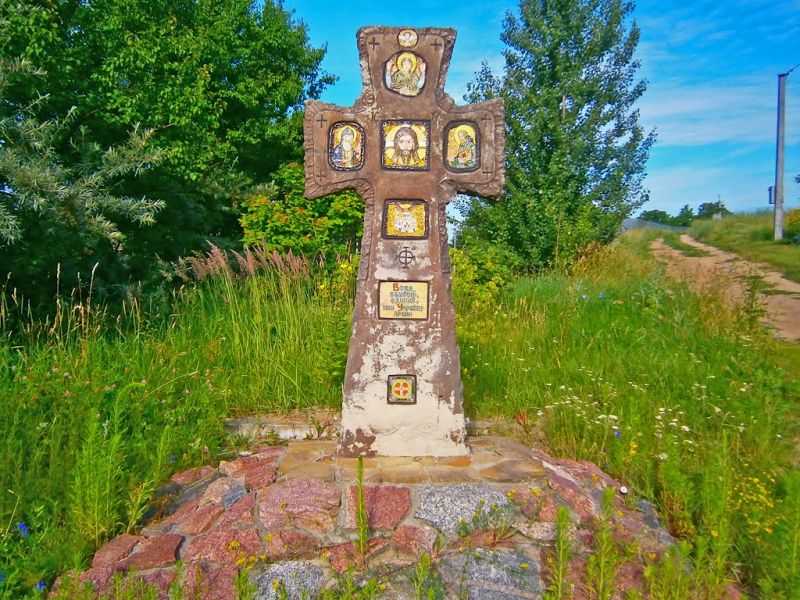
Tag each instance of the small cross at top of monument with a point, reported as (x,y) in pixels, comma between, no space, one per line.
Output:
(407,149)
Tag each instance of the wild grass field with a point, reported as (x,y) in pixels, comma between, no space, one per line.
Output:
(753,237)
(684,398)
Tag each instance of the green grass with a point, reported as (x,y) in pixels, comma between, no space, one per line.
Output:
(674,393)
(673,241)
(752,237)
(95,413)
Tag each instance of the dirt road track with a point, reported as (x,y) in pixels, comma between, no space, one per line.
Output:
(782,303)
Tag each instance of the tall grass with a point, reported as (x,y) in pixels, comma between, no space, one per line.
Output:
(673,392)
(97,412)
(752,236)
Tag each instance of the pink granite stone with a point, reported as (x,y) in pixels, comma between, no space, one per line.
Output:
(193,475)
(630,577)
(235,467)
(300,502)
(158,551)
(386,506)
(271,453)
(203,580)
(223,491)
(572,492)
(548,510)
(343,556)
(259,476)
(114,551)
(414,540)
(199,520)
(72,583)
(240,515)
(223,545)
(179,515)
(285,544)
(100,578)
(161,580)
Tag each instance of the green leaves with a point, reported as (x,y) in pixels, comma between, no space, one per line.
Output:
(175,110)
(575,150)
(279,215)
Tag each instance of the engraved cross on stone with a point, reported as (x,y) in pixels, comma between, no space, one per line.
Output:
(407,149)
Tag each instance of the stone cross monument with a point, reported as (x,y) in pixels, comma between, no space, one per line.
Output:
(407,149)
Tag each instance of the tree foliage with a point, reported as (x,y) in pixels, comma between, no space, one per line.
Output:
(281,217)
(576,152)
(54,212)
(219,83)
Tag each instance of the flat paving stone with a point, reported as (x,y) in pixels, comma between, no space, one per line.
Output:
(409,474)
(447,505)
(298,579)
(514,470)
(320,471)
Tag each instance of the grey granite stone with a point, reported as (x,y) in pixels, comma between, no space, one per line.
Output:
(446,505)
(298,578)
(492,574)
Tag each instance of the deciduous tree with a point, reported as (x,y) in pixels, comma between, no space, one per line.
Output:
(576,150)
(219,82)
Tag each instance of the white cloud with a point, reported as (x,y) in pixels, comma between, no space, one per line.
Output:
(738,110)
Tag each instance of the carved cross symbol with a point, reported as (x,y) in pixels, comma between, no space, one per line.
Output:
(407,149)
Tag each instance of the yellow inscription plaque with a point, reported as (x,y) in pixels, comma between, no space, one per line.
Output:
(403,300)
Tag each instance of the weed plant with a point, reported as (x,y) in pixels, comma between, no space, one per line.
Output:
(96,414)
(675,393)
(752,236)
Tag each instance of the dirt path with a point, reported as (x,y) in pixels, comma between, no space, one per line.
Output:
(781,303)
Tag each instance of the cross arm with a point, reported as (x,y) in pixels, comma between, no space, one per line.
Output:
(487,119)
(330,164)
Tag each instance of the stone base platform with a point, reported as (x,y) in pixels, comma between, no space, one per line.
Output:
(283,520)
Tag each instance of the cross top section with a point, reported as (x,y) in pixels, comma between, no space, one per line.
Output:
(407,149)
(403,72)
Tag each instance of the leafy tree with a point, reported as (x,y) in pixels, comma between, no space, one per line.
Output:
(219,82)
(708,209)
(576,152)
(656,216)
(280,216)
(53,214)
(684,217)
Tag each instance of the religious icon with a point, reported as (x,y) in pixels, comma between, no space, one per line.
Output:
(402,389)
(407,38)
(462,149)
(405,73)
(406,219)
(346,146)
(405,145)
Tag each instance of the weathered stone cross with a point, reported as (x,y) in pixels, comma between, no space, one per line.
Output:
(407,149)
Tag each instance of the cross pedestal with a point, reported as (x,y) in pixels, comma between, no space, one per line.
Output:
(407,149)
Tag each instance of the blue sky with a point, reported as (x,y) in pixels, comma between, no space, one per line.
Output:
(712,93)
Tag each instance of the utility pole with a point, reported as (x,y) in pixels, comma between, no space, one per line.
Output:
(779,156)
